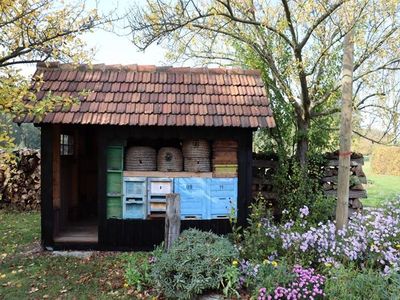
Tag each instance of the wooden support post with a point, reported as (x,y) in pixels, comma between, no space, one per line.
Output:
(56,177)
(56,167)
(342,206)
(172,219)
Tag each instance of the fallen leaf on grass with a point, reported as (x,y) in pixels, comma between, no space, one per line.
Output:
(33,290)
(84,278)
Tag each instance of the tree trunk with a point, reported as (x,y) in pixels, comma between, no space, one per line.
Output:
(342,207)
(302,141)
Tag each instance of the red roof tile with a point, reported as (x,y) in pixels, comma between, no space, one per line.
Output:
(149,95)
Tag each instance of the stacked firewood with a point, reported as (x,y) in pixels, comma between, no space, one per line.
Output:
(20,180)
(264,168)
(357,178)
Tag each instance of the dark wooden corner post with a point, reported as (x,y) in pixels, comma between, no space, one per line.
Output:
(245,156)
(102,140)
(172,219)
(47,184)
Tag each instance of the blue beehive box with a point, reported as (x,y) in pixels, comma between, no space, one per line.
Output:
(194,197)
(134,198)
(223,197)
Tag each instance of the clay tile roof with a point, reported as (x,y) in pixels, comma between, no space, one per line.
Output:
(150,96)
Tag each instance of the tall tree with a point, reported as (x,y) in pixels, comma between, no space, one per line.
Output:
(38,31)
(299,43)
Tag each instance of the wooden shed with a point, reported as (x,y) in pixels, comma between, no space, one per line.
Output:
(138,133)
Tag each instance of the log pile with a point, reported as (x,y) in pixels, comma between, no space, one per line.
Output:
(20,180)
(357,178)
(264,168)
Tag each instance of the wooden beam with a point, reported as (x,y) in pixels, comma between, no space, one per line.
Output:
(353,194)
(167,174)
(335,179)
(262,163)
(353,162)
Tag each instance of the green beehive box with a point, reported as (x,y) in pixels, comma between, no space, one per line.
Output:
(115,158)
(114,207)
(114,184)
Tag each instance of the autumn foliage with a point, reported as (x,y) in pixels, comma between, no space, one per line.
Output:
(386,160)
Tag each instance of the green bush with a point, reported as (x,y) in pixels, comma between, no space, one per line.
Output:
(295,186)
(254,244)
(322,209)
(350,283)
(269,277)
(195,263)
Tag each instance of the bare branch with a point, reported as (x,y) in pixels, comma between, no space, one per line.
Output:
(361,102)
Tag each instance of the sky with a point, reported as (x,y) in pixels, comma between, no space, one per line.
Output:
(111,48)
(114,49)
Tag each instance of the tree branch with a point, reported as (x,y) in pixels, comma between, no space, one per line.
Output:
(325,113)
(322,18)
(290,24)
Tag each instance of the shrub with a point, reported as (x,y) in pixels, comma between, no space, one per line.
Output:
(265,276)
(352,284)
(296,188)
(256,242)
(253,244)
(371,240)
(195,263)
(385,160)
(322,210)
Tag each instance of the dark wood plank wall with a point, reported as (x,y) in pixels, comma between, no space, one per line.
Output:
(117,234)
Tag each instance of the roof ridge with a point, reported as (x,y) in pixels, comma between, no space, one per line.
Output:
(146,68)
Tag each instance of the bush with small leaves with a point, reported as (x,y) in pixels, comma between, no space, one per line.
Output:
(195,263)
(352,283)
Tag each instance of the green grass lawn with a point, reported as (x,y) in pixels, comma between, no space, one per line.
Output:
(380,187)
(26,273)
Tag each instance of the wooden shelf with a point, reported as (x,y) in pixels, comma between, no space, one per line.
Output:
(167,174)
